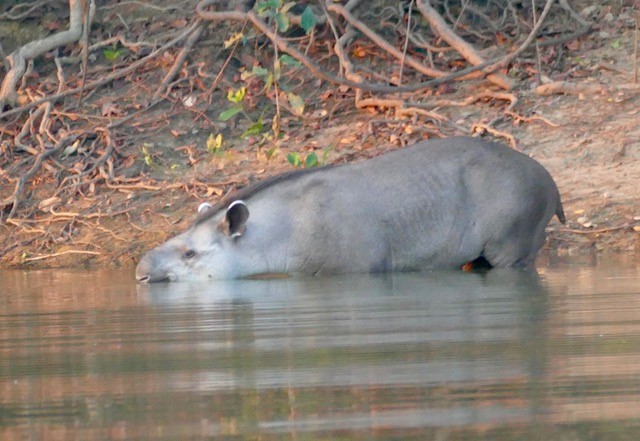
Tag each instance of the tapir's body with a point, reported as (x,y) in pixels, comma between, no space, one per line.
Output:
(437,204)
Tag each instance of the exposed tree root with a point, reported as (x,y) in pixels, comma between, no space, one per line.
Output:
(19,57)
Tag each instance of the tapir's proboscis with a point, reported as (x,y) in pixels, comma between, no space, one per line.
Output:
(438,204)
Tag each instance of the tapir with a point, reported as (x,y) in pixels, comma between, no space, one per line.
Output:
(438,204)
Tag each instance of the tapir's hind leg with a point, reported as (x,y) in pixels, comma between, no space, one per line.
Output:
(517,247)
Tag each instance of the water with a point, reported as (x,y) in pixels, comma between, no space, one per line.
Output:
(440,356)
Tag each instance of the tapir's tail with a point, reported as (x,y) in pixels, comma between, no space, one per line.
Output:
(560,212)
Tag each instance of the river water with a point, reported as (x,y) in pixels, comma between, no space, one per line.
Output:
(504,355)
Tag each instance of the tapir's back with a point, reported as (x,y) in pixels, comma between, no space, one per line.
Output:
(437,204)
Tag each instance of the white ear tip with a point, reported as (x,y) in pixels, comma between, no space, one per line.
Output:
(204,206)
(234,203)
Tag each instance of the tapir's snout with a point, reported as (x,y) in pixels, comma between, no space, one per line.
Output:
(148,271)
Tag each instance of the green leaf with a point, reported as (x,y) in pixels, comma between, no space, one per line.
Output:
(312,160)
(229,113)
(325,154)
(270,153)
(285,8)
(214,143)
(268,82)
(616,43)
(267,5)
(288,60)
(260,71)
(257,71)
(233,39)
(308,20)
(112,54)
(297,103)
(294,159)
(235,96)
(254,129)
(282,20)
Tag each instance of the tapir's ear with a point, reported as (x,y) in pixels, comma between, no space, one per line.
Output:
(205,206)
(234,223)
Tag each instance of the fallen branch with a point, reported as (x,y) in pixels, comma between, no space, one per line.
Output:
(29,51)
(177,65)
(526,43)
(598,231)
(316,69)
(481,128)
(565,87)
(61,253)
(107,78)
(382,43)
(465,49)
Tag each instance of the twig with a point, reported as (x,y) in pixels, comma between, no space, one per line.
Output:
(537,46)
(480,128)
(382,43)
(5,62)
(89,12)
(598,231)
(177,65)
(317,70)
(465,49)
(519,117)
(565,5)
(565,87)
(30,6)
(406,41)
(218,77)
(635,50)
(17,193)
(525,44)
(61,253)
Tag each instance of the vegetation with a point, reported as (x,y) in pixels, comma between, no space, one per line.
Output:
(82,104)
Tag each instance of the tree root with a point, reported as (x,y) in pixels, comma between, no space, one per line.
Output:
(107,78)
(18,58)
(15,198)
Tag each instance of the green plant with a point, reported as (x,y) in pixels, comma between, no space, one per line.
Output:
(235,97)
(310,160)
(214,143)
(113,54)
(147,156)
(277,10)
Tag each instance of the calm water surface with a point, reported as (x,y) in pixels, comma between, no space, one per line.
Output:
(440,356)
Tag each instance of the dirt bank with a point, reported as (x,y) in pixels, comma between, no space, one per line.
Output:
(588,138)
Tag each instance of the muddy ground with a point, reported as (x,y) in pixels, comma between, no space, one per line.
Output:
(589,141)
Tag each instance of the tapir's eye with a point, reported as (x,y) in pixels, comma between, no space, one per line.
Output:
(189,254)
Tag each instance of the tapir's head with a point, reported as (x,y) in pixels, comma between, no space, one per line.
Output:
(207,250)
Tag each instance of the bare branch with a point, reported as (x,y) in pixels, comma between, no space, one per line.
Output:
(382,43)
(29,51)
(17,193)
(193,38)
(107,78)
(465,49)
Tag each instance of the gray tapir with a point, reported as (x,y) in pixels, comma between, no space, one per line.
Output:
(435,205)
